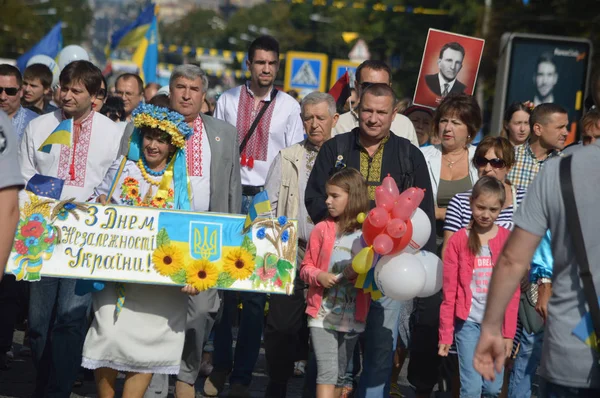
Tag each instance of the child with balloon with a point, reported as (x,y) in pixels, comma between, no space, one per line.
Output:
(468,264)
(337,310)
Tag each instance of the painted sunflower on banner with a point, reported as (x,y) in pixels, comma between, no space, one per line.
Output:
(202,274)
(239,263)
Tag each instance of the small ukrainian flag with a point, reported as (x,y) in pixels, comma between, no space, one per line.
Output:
(585,332)
(61,135)
(260,204)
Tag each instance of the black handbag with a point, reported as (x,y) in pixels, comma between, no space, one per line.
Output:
(574,227)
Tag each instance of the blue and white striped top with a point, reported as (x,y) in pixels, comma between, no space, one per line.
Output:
(458,213)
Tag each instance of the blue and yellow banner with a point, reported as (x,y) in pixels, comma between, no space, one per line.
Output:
(154,246)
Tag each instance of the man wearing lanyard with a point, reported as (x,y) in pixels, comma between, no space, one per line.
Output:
(267,121)
(57,335)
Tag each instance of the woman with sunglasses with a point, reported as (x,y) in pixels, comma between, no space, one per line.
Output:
(494,157)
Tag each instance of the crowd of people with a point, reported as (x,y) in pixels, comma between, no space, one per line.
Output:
(320,168)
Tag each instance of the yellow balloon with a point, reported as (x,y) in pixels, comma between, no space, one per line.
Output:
(361,218)
(362,262)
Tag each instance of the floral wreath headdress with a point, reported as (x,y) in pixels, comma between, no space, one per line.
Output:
(173,124)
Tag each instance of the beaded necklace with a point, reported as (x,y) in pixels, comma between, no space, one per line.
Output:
(146,172)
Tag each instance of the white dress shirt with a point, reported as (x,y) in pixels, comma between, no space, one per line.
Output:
(443,82)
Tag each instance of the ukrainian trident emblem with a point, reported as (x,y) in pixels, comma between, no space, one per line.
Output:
(205,240)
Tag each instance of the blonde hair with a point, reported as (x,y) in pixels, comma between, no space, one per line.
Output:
(353,183)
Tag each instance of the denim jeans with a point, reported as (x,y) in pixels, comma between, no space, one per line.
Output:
(249,332)
(466,336)
(526,364)
(380,337)
(551,390)
(58,323)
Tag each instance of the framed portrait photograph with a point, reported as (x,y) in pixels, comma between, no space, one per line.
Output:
(542,69)
(450,65)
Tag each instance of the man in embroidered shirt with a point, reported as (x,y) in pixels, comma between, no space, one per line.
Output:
(450,63)
(279,127)
(57,317)
(371,149)
(367,73)
(214,173)
(130,87)
(10,99)
(286,333)
(548,124)
(37,81)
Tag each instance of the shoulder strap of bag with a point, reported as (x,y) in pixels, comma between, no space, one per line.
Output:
(574,227)
(406,164)
(257,120)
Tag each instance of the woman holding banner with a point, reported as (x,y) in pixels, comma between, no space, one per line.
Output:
(153,174)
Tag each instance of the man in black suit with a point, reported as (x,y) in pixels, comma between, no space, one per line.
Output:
(450,63)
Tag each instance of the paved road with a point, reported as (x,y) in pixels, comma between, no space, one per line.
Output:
(18,381)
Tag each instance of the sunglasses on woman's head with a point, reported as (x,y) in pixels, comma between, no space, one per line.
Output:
(496,163)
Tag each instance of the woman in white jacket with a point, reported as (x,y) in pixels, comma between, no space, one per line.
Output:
(456,122)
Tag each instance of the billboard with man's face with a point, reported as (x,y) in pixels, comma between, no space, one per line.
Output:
(450,64)
(542,69)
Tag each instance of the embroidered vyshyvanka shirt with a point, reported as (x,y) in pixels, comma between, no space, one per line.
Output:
(280,127)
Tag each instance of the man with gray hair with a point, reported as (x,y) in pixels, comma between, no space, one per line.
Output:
(212,160)
(286,333)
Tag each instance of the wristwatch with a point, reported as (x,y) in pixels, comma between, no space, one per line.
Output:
(543,281)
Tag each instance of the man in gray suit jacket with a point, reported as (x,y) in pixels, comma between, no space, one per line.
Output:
(212,158)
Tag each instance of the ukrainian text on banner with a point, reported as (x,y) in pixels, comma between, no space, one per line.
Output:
(145,245)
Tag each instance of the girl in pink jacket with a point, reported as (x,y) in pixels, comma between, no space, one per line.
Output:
(337,310)
(468,263)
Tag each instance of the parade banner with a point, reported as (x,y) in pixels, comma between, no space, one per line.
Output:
(450,65)
(145,245)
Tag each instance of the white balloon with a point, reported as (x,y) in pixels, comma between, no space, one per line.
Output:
(400,277)
(71,53)
(434,273)
(49,62)
(421,231)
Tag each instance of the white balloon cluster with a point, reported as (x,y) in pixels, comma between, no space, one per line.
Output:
(67,55)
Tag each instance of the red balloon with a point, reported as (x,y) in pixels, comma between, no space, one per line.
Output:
(396,228)
(415,195)
(369,232)
(401,243)
(384,199)
(403,209)
(389,184)
(379,217)
(382,244)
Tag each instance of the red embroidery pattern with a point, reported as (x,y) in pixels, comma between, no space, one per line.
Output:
(79,158)
(258,145)
(194,150)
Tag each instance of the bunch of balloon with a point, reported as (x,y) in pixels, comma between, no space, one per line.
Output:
(391,262)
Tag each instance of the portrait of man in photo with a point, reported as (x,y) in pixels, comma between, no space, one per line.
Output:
(449,66)
(545,78)
(450,63)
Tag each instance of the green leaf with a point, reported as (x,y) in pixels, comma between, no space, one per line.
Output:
(225,280)
(271,260)
(285,277)
(179,277)
(248,245)
(34,250)
(284,265)
(258,262)
(162,238)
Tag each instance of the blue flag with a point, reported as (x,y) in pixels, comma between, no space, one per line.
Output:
(50,45)
(132,34)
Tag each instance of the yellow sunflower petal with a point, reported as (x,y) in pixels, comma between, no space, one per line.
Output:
(167,260)
(239,264)
(202,274)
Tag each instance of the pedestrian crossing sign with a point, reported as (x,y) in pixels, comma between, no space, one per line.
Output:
(339,67)
(305,72)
